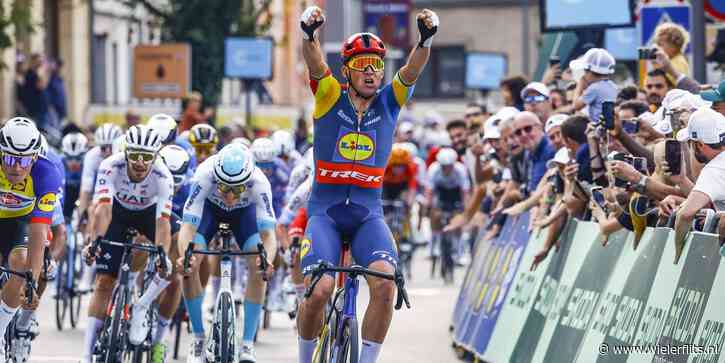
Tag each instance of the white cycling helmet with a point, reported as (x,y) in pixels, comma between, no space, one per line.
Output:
(234,165)
(410,147)
(119,145)
(74,144)
(177,160)
(446,156)
(20,136)
(284,141)
(264,150)
(106,133)
(164,125)
(143,138)
(242,140)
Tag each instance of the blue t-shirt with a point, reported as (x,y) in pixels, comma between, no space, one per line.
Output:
(598,93)
(543,152)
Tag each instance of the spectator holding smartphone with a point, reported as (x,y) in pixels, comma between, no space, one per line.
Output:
(594,87)
(706,137)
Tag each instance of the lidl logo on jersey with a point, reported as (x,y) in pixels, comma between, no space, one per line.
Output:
(47,202)
(355,146)
(305,247)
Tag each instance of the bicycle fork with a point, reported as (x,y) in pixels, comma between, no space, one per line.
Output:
(348,313)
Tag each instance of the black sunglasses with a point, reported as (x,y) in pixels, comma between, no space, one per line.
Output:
(525,129)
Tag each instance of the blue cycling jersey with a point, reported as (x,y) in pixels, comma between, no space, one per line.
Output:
(351,152)
(180,197)
(72,177)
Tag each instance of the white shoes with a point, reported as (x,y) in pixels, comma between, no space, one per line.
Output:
(247,355)
(21,347)
(139,329)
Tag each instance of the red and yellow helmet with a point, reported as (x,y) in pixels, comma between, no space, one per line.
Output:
(362,43)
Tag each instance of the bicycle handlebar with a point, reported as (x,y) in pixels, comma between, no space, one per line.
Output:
(261,252)
(151,249)
(355,270)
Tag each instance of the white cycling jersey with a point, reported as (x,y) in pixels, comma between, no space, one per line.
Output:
(91,162)
(458,177)
(297,177)
(298,200)
(113,184)
(258,191)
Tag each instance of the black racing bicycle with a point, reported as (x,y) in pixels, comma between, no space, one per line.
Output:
(30,288)
(113,345)
(68,296)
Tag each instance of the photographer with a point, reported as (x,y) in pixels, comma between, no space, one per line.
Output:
(706,137)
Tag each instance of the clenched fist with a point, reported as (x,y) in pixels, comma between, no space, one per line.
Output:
(427,27)
(312,19)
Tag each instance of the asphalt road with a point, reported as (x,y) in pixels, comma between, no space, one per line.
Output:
(417,335)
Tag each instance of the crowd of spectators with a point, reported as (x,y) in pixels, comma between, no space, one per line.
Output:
(578,145)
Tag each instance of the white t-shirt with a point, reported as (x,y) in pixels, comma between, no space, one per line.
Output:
(91,162)
(258,191)
(457,178)
(712,181)
(114,184)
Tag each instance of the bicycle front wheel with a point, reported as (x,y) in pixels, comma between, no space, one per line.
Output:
(225,333)
(61,295)
(349,350)
(116,336)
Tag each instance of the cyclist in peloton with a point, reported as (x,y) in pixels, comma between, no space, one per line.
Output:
(134,190)
(299,174)
(286,146)
(29,185)
(228,188)
(354,130)
(204,139)
(448,190)
(103,138)
(73,146)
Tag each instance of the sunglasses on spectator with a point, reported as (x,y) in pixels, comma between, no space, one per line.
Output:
(361,63)
(535,99)
(23,161)
(140,156)
(236,189)
(524,130)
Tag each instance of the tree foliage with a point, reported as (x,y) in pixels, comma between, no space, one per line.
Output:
(15,23)
(204,24)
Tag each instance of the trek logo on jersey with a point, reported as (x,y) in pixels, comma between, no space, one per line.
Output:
(349,174)
(47,202)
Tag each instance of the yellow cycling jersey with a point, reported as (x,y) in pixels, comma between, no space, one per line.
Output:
(35,196)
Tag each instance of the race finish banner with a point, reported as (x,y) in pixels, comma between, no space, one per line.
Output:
(613,303)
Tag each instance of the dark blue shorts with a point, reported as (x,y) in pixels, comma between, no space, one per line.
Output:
(369,237)
(243,222)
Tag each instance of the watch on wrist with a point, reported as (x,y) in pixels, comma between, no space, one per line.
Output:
(641,185)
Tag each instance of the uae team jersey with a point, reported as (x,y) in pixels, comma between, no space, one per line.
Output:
(35,196)
(257,191)
(351,152)
(113,184)
(91,162)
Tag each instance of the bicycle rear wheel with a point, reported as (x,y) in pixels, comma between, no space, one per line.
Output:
(74,297)
(349,350)
(61,295)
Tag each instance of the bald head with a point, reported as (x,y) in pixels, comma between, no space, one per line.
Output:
(528,130)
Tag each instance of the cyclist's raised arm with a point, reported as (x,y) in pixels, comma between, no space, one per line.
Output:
(311,20)
(427,27)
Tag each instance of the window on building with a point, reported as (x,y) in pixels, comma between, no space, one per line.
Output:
(444,76)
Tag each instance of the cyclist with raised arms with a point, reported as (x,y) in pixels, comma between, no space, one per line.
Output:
(228,188)
(133,190)
(354,130)
(29,185)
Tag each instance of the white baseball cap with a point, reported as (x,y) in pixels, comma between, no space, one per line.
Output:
(554,121)
(596,60)
(491,133)
(660,122)
(706,125)
(537,87)
(500,116)
(561,157)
